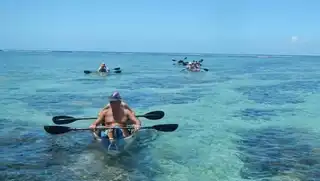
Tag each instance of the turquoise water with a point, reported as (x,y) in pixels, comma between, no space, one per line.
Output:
(248,118)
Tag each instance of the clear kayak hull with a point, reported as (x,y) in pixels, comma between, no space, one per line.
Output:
(118,145)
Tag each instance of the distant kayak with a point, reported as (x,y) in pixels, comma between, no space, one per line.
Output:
(96,72)
(184,63)
(115,70)
(119,145)
(194,70)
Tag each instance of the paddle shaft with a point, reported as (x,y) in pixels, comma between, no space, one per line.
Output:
(81,118)
(153,115)
(104,127)
(75,119)
(65,129)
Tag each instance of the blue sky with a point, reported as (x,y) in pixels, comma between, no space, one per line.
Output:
(202,26)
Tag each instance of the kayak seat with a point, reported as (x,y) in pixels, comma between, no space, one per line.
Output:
(117,132)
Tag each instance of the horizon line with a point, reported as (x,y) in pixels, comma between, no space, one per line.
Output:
(146,52)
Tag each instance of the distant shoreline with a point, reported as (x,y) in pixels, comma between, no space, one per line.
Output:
(260,55)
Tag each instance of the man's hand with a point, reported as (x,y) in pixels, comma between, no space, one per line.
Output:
(137,127)
(93,126)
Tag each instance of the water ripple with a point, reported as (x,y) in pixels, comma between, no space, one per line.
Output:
(271,152)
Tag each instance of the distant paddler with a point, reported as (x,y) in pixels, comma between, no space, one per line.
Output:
(193,66)
(117,117)
(103,68)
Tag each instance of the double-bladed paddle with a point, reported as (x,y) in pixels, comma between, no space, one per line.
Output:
(117,71)
(65,129)
(181,62)
(185,58)
(153,115)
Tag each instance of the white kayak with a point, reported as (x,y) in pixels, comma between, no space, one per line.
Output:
(119,144)
(194,70)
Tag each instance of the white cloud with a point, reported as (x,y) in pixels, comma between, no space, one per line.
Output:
(294,39)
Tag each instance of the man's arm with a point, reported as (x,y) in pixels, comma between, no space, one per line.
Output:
(107,106)
(99,120)
(133,118)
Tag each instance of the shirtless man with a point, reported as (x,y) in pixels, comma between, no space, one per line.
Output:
(123,104)
(103,68)
(117,116)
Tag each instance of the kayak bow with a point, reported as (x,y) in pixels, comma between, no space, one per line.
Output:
(119,145)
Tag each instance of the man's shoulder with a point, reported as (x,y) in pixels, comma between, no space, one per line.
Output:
(127,111)
(104,111)
(106,106)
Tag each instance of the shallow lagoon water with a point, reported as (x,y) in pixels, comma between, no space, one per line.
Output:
(248,118)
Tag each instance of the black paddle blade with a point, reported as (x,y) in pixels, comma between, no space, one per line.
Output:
(117,71)
(154,115)
(87,71)
(165,127)
(56,129)
(206,70)
(118,68)
(63,119)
